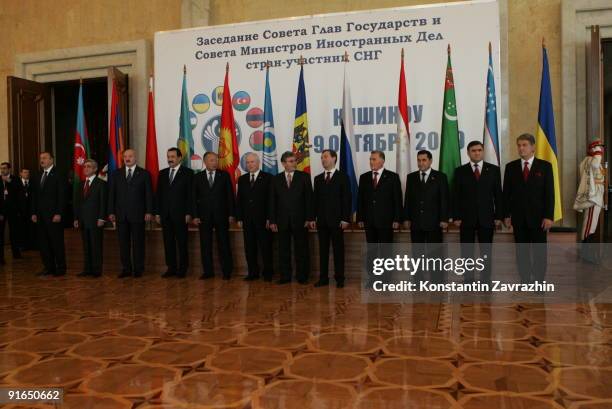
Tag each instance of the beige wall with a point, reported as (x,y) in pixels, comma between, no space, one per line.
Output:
(29,25)
(36,25)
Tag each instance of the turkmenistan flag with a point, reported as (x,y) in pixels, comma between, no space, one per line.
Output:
(185,139)
(450,157)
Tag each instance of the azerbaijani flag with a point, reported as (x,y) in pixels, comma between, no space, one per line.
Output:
(81,143)
(301,147)
(490,136)
(185,140)
(402,158)
(546,141)
(269,161)
(229,156)
(115,134)
(347,137)
(450,157)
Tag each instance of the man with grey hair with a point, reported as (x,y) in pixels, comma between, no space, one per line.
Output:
(252,215)
(89,214)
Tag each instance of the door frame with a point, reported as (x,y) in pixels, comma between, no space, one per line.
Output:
(134,58)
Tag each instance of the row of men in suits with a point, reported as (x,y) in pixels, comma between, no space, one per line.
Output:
(288,205)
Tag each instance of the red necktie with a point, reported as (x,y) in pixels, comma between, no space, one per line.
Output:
(327,178)
(86,188)
(375,180)
(476,172)
(526,172)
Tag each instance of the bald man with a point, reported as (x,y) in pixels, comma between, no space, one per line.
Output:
(130,205)
(252,216)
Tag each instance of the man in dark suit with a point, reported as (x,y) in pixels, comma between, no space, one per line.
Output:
(90,200)
(10,211)
(379,203)
(477,206)
(130,205)
(291,214)
(426,209)
(48,206)
(24,199)
(173,211)
(213,197)
(252,215)
(332,209)
(529,206)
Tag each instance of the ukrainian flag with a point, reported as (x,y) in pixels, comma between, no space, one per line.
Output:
(546,141)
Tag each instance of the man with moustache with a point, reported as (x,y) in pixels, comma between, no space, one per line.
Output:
(173,211)
(48,206)
(477,207)
(90,201)
(213,204)
(291,214)
(332,209)
(130,205)
(252,215)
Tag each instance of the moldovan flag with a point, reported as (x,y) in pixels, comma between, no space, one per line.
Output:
(450,157)
(228,146)
(546,141)
(152,161)
(301,147)
(402,159)
(81,143)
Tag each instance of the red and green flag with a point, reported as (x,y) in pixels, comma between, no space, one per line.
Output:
(450,156)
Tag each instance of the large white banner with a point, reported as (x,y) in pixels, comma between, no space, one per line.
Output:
(373,40)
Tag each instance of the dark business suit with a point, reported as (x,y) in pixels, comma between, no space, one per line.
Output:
(49,199)
(252,210)
(173,203)
(129,201)
(477,202)
(527,203)
(290,208)
(214,205)
(27,228)
(9,196)
(332,205)
(89,207)
(379,207)
(426,205)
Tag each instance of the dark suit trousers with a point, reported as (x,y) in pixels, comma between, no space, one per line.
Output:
(28,232)
(531,253)
(92,249)
(14,234)
(132,246)
(51,244)
(375,237)
(335,237)
(223,244)
(257,239)
(429,244)
(175,235)
(300,246)
(467,236)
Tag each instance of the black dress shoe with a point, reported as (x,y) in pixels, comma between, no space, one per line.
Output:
(138,274)
(83,274)
(284,281)
(168,274)
(181,275)
(340,284)
(95,275)
(59,274)
(251,277)
(226,278)
(43,273)
(303,281)
(267,279)
(124,274)
(206,276)
(322,283)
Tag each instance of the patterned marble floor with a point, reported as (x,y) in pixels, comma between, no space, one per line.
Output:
(154,343)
